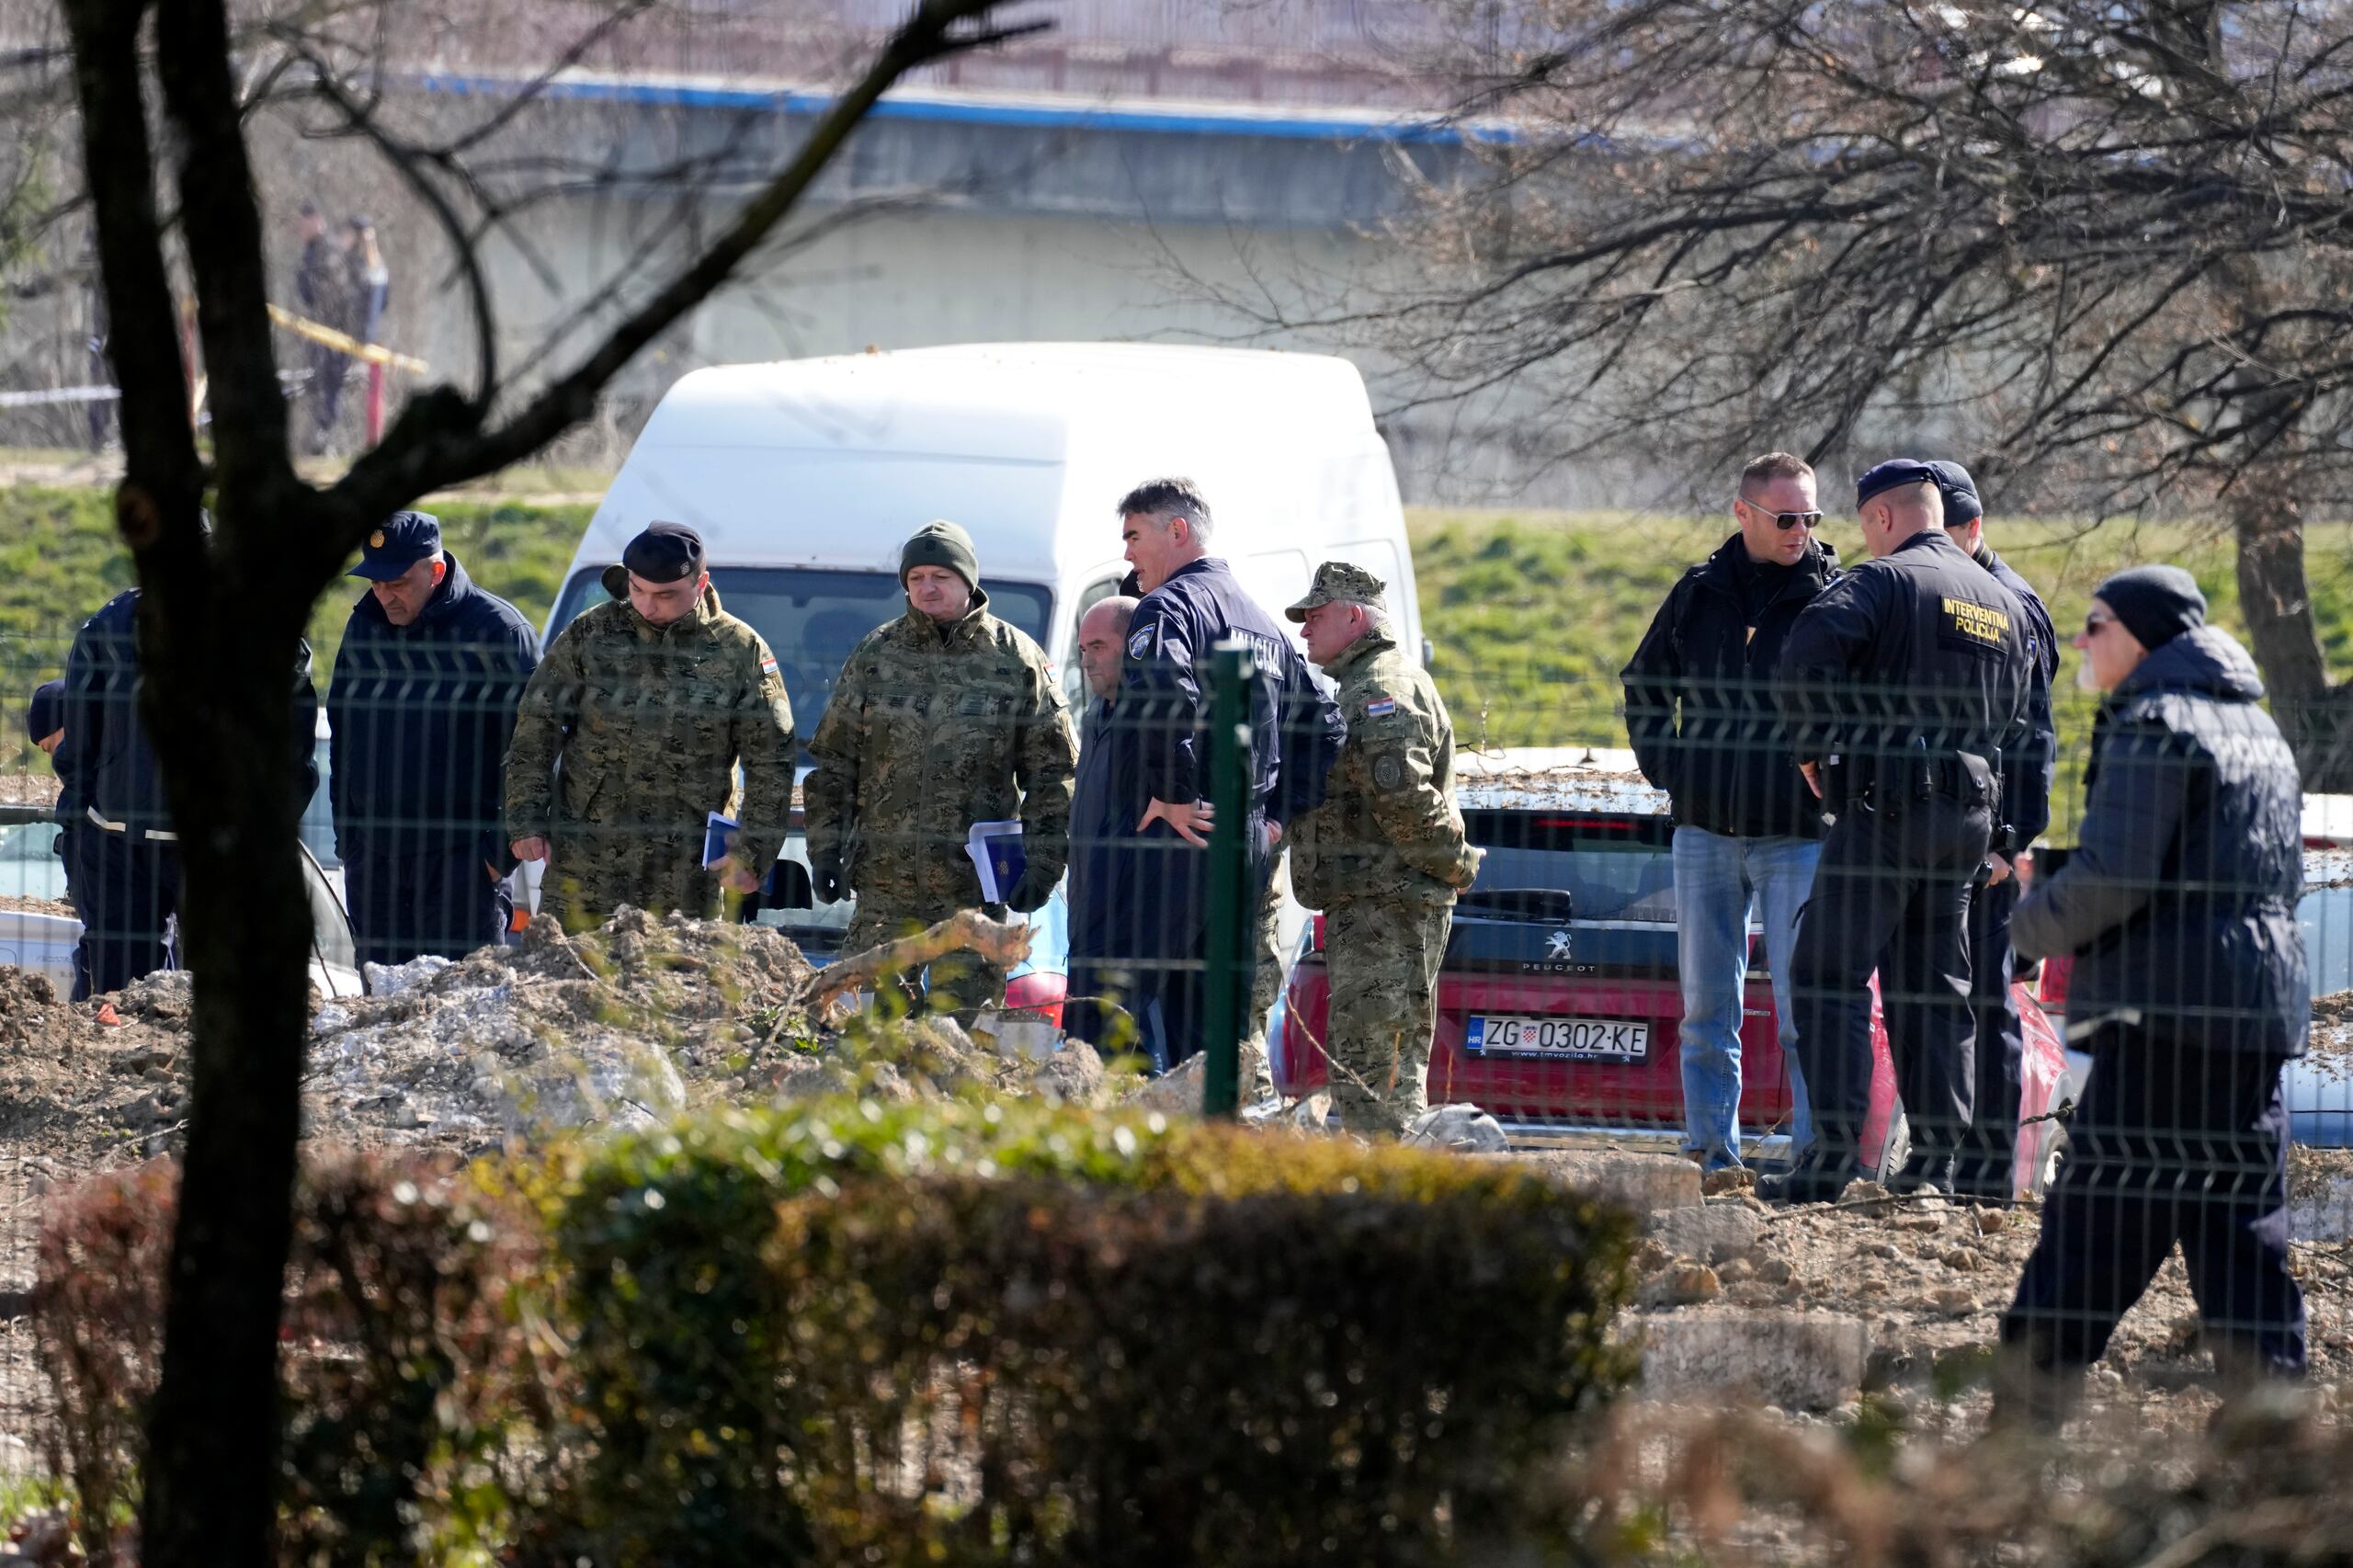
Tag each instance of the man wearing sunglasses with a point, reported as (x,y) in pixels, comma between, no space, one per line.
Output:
(1699,709)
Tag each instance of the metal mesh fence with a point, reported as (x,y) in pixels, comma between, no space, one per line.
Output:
(2105,1021)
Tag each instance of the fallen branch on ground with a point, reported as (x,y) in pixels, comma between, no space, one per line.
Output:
(996,940)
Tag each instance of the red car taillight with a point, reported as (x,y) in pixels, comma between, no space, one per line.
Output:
(2052,990)
(1040,992)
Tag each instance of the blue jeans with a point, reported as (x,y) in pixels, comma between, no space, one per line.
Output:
(1717,880)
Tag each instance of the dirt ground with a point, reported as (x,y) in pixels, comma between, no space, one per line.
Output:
(627,1025)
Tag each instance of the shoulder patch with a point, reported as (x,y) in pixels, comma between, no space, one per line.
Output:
(1380,708)
(1140,643)
(768,663)
(1388,772)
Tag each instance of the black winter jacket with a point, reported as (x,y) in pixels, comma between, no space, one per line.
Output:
(1106,879)
(1699,704)
(2026,776)
(2180,901)
(420,716)
(104,763)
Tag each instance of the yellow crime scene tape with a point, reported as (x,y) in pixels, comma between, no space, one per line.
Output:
(367,352)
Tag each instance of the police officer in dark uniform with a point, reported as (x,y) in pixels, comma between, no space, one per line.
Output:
(124,872)
(1904,685)
(1190,604)
(421,708)
(1986,1168)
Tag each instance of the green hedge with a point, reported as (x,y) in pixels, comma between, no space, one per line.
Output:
(996,1333)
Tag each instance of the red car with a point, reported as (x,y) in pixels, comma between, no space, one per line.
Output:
(1558,1004)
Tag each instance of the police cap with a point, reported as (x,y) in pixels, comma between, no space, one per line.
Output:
(1890,475)
(1961,504)
(406,539)
(665,552)
(45,715)
(1338,583)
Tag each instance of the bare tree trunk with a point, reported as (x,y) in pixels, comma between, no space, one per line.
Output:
(2275,596)
(219,621)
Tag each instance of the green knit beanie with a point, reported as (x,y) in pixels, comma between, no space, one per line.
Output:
(941,544)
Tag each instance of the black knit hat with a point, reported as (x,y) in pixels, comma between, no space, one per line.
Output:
(941,544)
(2156,604)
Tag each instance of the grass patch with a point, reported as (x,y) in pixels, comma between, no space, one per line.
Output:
(1534,613)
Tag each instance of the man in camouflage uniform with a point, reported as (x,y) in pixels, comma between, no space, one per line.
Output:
(648,704)
(1382,857)
(943,718)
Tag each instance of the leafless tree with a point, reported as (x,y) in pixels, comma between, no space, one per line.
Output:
(170,97)
(2100,249)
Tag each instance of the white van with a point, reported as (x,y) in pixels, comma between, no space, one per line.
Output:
(805,477)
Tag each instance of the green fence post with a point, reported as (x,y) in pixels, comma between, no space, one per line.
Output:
(1230,945)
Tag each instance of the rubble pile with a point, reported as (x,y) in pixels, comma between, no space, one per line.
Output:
(621,1026)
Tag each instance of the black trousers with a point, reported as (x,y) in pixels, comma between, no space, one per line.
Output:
(410,902)
(1891,893)
(1172,981)
(1989,1147)
(2169,1143)
(125,886)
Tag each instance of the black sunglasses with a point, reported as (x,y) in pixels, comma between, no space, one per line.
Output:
(1785,520)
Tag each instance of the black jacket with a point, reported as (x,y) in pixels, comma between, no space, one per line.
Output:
(1295,729)
(1903,668)
(104,763)
(2026,777)
(1106,797)
(1698,698)
(419,718)
(2180,901)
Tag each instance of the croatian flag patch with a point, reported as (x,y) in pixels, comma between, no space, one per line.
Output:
(1380,707)
(767,665)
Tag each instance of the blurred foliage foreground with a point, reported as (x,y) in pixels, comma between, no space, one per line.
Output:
(985,1332)
(847,1331)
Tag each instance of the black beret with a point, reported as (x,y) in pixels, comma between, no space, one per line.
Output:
(1961,504)
(46,714)
(1887,475)
(665,552)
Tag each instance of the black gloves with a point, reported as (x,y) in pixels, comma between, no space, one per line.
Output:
(826,879)
(1030,892)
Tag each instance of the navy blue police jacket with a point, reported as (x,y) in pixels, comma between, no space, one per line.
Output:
(2026,779)
(1917,655)
(419,718)
(105,767)
(1295,729)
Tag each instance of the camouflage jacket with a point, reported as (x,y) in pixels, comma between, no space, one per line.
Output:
(650,723)
(1388,828)
(929,731)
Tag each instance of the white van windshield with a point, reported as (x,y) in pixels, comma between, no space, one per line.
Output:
(811,619)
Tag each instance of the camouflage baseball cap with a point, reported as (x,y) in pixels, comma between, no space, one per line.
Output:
(1337,583)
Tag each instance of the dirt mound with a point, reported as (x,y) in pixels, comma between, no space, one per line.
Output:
(1923,1285)
(621,1026)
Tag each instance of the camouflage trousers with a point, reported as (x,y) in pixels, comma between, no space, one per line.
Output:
(961,982)
(1383,960)
(590,874)
(1266,984)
